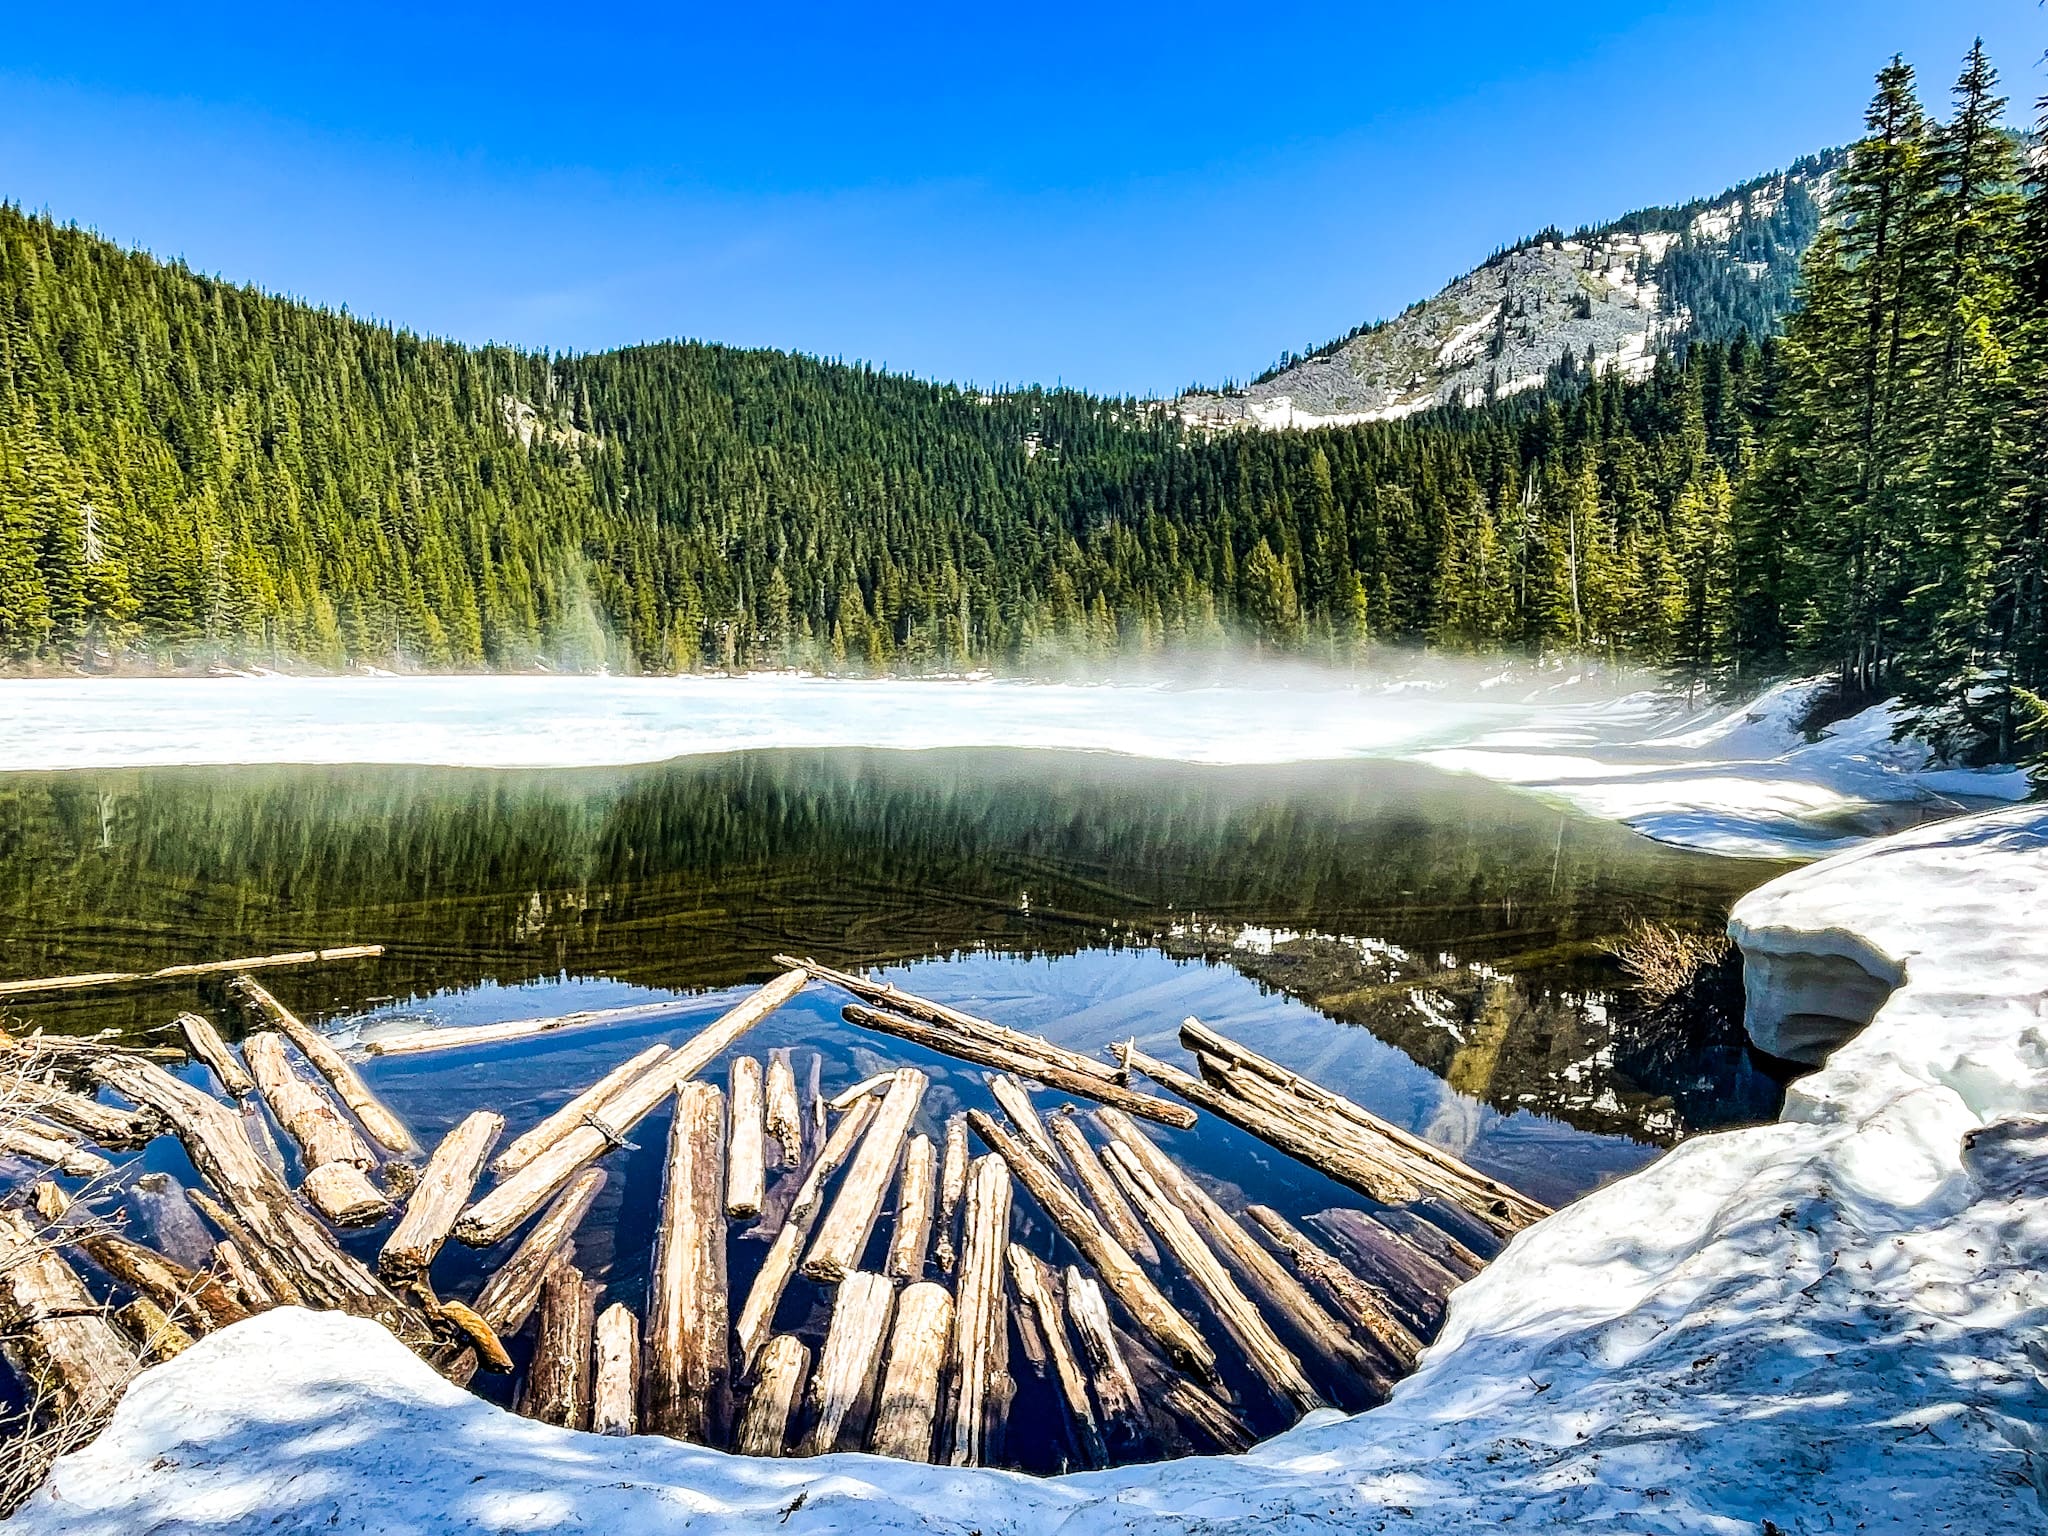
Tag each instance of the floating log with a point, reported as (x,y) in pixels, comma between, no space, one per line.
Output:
(49,1146)
(843,1235)
(590,1102)
(508,1297)
(451,1173)
(1035,1286)
(850,1361)
(1434,1241)
(907,1410)
(51,1330)
(1493,1203)
(842,1101)
(1108,1200)
(197,1298)
(1119,1271)
(1415,1285)
(343,1193)
(257,1129)
(688,1365)
(981,1335)
(1030,1341)
(784,1115)
(49,1199)
(276,1226)
(241,1277)
(1004,1059)
(1271,1361)
(814,1100)
(952,1185)
(14,989)
(757,1315)
(1023,1114)
(457,1037)
(155,1336)
(912,1236)
(1284,1296)
(746,1177)
(764,1427)
(491,1218)
(206,1045)
(385,1128)
(308,1115)
(1174,1406)
(484,1342)
(557,1385)
(274,1279)
(615,1382)
(1116,1394)
(101,1124)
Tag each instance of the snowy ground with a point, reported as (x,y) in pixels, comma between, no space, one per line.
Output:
(1832,1323)
(1736,782)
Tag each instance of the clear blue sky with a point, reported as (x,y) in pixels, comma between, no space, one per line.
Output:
(1125,199)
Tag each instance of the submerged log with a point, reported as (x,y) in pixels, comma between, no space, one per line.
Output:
(308,1115)
(1005,1059)
(981,1335)
(13,989)
(912,1236)
(1036,1287)
(557,1385)
(385,1128)
(49,1146)
(907,1410)
(1434,1241)
(241,1277)
(764,1427)
(51,1330)
(491,1218)
(206,1045)
(757,1315)
(849,1363)
(1116,1393)
(1174,1406)
(197,1298)
(783,1112)
(451,1173)
(274,1278)
(590,1102)
(1023,1114)
(508,1297)
(842,1101)
(1415,1285)
(843,1235)
(447,1039)
(615,1378)
(1108,1200)
(952,1185)
(688,1364)
(746,1177)
(1119,1271)
(150,1329)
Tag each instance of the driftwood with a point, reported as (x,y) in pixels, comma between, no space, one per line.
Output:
(155,1336)
(591,1101)
(952,1186)
(1116,1394)
(1119,1271)
(843,1235)
(981,1335)
(757,1315)
(243,1279)
(274,1278)
(451,1173)
(484,1343)
(1174,1405)
(1004,1058)
(1434,1241)
(688,1362)
(49,1146)
(912,1235)
(1035,1285)
(508,1297)
(1023,1114)
(907,1410)
(206,1045)
(14,989)
(257,1129)
(849,1363)
(415,1041)
(308,1115)
(343,1193)
(814,1100)
(764,1427)
(615,1376)
(101,1124)
(1108,1200)
(1415,1285)
(491,1218)
(557,1385)
(196,1298)
(51,1330)
(746,1176)
(49,1199)
(783,1113)
(385,1128)
(1030,1341)
(842,1101)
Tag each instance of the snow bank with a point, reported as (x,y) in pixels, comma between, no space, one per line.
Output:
(1742,783)
(1831,1323)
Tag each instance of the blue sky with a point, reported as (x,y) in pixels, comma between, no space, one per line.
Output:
(1122,199)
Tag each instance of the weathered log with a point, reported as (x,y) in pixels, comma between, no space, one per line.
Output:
(912,1235)
(842,1101)
(952,1186)
(1183,1419)
(981,1335)
(197,1298)
(1004,1059)
(590,1102)
(49,1199)
(1108,1200)
(508,1297)
(1415,1285)
(784,1114)
(343,1193)
(764,1427)
(688,1363)
(256,1126)
(491,1218)
(14,989)
(1119,1271)
(1035,1286)
(413,1042)
(241,1278)
(155,1336)
(907,1410)
(1030,1341)
(850,1361)
(1434,1241)
(274,1278)
(757,1315)
(51,1330)
(557,1385)
(385,1128)
(484,1343)
(843,1234)
(1116,1394)
(206,1045)
(1023,1114)
(451,1173)
(49,1146)
(101,1124)
(308,1115)
(746,1178)
(814,1100)
(615,1388)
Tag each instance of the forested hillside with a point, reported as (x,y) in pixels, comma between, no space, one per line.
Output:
(194,470)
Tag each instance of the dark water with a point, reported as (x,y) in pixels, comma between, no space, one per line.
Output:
(1431,945)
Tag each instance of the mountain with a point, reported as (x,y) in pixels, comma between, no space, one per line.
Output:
(1615,296)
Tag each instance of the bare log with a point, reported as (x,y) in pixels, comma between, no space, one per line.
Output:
(308,1115)
(451,1173)
(1434,1241)
(952,1185)
(343,1193)
(459,1037)
(850,1362)
(814,1100)
(385,1128)
(508,1297)
(590,1102)
(150,1329)
(981,1335)
(1108,1200)
(688,1364)
(557,1385)
(101,1124)
(197,1298)
(746,1178)
(49,1199)
(206,1045)
(843,1235)
(14,989)
(615,1388)
(784,1116)
(1116,1394)
(842,1101)
(491,1218)
(1415,1285)
(241,1278)
(51,1330)
(49,1146)
(484,1343)
(912,1236)
(274,1278)
(907,1410)
(764,1427)
(1023,1114)
(1035,1286)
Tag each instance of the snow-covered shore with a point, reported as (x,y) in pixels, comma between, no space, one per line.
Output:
(1742,781)
(1831,1323)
